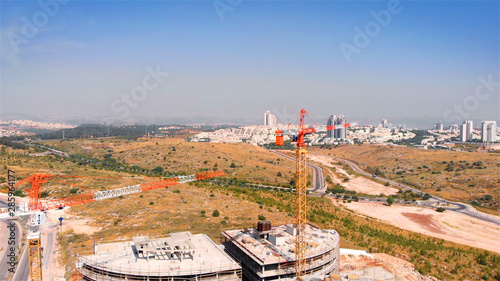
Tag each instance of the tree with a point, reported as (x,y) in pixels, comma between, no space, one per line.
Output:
(262,218)
(233,165)
(279,174)
(387,184)
(390,200)
(215,214)
(157,170)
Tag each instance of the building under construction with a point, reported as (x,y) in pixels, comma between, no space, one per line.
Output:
(182,256)
(268,252)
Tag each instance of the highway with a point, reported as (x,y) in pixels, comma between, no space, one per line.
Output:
(459,207)
(319,186)
(318,178)
(21,274)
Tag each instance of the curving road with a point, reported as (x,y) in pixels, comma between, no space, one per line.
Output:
(459,207)
(318,179)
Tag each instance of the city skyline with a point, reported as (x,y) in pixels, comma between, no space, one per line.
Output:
(89,59)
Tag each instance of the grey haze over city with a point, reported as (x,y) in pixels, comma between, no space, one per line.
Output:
(415,62)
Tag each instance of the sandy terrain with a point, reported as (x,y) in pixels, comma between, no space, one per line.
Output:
(79,226)
(448,225)
(358,184)
(402,269)
(71,222)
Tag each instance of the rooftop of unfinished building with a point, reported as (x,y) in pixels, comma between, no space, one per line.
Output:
(180,254)
(278,244)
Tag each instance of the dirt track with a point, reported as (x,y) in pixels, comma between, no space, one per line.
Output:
(448,225)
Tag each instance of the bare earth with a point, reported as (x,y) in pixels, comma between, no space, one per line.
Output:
(448,225)
(79,226)
(358,184)
(402,269)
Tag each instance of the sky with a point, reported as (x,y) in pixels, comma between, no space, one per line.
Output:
(237,59)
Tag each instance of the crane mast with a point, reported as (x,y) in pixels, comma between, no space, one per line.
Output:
(301,185)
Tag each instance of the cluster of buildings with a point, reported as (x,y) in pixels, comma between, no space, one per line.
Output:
(263,253)
(270,119)
(23,127)
(266,133)
(338,134)
(488,131)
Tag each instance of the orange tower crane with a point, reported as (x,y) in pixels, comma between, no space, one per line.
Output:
(37,206)
(301,184)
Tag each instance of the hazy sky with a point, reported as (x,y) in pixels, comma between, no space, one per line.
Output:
(241,58)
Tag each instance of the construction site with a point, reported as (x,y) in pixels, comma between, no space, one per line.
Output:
(299,250)
(182,256)
(268,252)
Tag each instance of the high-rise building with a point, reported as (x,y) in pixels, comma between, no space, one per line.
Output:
(470,130)
(342,132)
(463,132)
(384,123)
(269,119)
(330,122)
(337,133)
(466,131)
(489,131)
(439,127)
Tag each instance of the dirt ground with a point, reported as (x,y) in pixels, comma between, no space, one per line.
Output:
(358,184)
(448,225)
(402,269)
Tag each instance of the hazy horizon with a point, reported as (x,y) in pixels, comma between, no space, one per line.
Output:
(362,59)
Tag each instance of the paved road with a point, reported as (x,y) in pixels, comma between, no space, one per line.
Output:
(3,204)
(458,206)
(4,266)
(318,179)
(22,272)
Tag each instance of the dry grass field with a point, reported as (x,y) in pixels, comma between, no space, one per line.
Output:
(180,208)
(460,176)
(251,163)
(159,212)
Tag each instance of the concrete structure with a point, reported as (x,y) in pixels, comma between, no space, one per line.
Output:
(342,132)
(384,123)
(339,134)
(466,131)
(330,122)
(489,131)
(269,255)
(182,256)
(439,127)
(269,119)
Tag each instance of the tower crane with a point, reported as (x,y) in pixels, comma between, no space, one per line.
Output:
(36,207)
(301,182)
